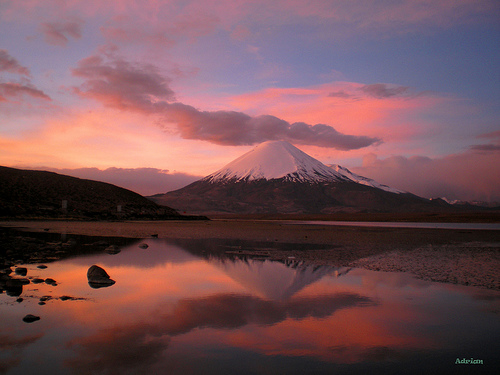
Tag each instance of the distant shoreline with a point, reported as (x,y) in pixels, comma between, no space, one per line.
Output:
(246,228)
(480,216)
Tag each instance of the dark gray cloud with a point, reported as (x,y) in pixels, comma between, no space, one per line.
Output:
(381,90)
(59,33)
(237,128)
(11,65)
(119,84)
(326,136)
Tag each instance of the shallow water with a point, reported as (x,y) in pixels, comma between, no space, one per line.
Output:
(400,224)
(189,307)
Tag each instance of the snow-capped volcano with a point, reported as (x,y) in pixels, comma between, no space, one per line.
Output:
(276,177)
(276,159)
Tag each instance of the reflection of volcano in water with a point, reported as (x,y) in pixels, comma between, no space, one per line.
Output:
(275,280)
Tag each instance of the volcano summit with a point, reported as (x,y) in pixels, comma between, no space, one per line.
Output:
(277,177)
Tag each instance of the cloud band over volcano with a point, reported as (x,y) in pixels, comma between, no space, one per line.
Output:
(142,88)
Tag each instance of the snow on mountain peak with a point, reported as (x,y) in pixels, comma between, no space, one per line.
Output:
(279,159)
(276,159)
(363,180)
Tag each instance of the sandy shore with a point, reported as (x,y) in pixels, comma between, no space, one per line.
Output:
(467,257)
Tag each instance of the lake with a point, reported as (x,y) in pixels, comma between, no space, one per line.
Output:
(199,307)
(402,224)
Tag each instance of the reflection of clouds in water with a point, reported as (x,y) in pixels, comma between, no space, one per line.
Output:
(117,350)
(159,252)
(11,350)
(358,353)
(139,346)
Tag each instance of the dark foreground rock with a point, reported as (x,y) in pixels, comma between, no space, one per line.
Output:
(98,278)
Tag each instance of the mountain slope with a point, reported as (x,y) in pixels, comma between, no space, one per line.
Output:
(276,177)
(25,193)
(275,160)
(363,180)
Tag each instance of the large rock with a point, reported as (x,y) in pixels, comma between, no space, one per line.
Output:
(98,277)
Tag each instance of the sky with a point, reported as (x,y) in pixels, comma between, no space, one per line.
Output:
(152,95)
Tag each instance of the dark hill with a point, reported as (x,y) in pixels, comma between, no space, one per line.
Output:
(41,194)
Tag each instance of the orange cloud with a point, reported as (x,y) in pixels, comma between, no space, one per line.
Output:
(378,110)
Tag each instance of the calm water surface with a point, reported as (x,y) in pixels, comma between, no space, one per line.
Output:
(177,309)
(401,224)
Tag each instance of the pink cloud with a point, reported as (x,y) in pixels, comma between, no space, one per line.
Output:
(380,110)
(381,17)
(381,90)
(120,34)
(122,85)
(247,17)
(108,138)
(141,88)
(471,175)
(59,33)
(16,89)
(11,65)
(145,181)
(158,32)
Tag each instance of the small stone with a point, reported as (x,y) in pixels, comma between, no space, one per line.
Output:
(143,245)
(113,249)
(37,281)
(42,266)
(30,318)
(19,300)
(100,243)
(41,303)
(50,281)
(23,271)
